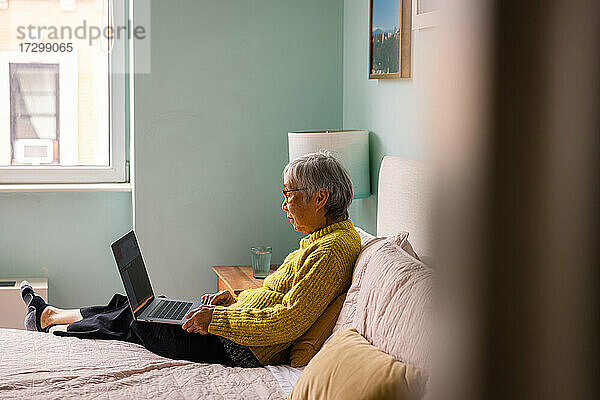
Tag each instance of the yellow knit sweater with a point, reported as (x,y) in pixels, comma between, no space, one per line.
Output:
(270,318)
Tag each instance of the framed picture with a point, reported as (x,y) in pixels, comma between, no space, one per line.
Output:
(426,13)
(389,39)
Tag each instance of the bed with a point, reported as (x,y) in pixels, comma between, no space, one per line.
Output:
(37,365)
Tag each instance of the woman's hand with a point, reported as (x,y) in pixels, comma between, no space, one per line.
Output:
(221,298)
(199,319)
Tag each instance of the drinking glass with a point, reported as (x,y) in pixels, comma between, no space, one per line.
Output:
(261,261)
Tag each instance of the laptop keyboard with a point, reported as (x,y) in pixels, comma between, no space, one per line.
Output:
(167,309)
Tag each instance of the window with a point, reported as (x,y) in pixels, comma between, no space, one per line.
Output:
(63,91)
(34,128)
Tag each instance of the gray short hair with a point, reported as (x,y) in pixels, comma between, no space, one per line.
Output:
(322,170)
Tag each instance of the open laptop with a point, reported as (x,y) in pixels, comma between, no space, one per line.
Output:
(144,305)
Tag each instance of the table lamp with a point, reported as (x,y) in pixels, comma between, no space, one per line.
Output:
(350,147)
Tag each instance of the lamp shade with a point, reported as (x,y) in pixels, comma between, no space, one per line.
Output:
(350,147)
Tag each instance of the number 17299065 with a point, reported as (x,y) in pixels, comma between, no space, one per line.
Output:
(46,47)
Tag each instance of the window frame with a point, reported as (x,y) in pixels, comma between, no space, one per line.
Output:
(116,171)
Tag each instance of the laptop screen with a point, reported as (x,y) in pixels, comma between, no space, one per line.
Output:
(133,271)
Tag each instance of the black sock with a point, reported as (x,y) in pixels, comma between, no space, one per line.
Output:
(26,292)
(34,300)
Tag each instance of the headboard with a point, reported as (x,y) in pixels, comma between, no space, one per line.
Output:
(403,201)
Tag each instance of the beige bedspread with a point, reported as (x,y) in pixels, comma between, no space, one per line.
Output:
(39,365)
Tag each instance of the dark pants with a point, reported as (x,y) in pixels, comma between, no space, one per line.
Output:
(115,322)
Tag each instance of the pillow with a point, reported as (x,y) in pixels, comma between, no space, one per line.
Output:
(348,367)
(365,237)
(373,244)
(394,305)
(307,345)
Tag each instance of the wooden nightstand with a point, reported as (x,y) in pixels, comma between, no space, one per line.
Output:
(237,278)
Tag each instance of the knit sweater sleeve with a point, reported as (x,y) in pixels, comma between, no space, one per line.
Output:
(287,321)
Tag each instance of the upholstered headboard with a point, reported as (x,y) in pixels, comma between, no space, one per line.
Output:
(403,201)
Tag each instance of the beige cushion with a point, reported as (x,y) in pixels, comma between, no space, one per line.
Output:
(305,347)
(371,246)
(348,367)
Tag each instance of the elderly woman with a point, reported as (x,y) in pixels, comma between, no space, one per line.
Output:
(260,325)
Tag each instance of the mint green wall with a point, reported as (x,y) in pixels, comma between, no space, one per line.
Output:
(391,109)
(65,237)
(228,80)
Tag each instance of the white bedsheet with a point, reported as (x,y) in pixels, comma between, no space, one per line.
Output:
(286,376)
(39,365)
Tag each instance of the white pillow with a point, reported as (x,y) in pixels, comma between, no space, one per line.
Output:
(371,245)
(393,305)
(365,237)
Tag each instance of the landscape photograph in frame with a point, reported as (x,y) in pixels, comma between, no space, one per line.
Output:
(389,39)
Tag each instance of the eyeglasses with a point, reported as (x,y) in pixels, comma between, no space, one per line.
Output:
(287,191)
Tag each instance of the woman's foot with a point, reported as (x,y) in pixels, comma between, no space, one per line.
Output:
(36,306)
(41,316)
(47,317)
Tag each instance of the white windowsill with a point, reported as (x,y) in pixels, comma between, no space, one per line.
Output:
(66,187)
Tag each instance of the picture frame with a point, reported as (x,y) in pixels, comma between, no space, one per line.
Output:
(390,39)
(425,14)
